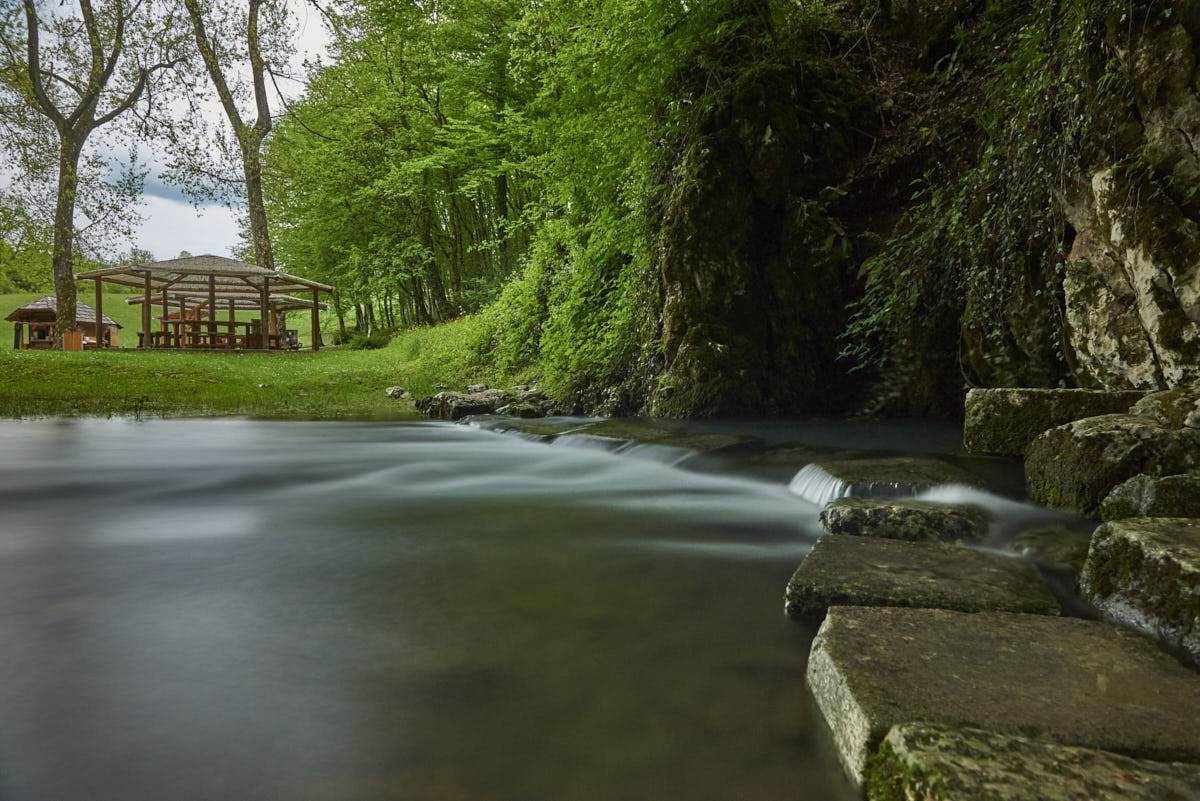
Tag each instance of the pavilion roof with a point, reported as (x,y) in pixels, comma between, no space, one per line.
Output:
(227,276)
(47,307)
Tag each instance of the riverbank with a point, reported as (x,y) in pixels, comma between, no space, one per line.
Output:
(334,383)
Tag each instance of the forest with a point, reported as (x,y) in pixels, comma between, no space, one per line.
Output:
(725,208)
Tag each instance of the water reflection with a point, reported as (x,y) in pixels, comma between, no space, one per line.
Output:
(237,610)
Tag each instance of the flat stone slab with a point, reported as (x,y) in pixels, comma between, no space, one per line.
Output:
(1070,681)
(940,763)
(1004,421)
(1054,547)
(905,519)
(844,570)
(1150,496)
(1145,573)
(828,479)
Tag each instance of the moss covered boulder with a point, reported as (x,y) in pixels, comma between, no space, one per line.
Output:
(1076,465)
(905,519)
(1151,496)
(1076,682)
(1005,421)
(948,763)
(864,571)
(1174,408)
(1145,573)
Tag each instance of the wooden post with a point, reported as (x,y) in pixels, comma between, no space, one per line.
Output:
(212,310)
(163,324)
(146,312)
(265,324)
(232,341)
(181,328)
(99,315)
(316,321)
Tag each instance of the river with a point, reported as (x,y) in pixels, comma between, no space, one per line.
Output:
(233,609)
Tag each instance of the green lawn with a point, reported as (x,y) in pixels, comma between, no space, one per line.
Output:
(332,383)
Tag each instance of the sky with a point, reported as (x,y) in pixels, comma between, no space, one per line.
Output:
(172,224)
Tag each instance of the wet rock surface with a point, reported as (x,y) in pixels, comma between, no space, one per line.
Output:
(521,401)
(1070,681)
(1145,573)
(1076,465)
(828,479)
(905,519)
(863,571)
(1005,421)
(1056,548)
(1150,496)
(944,763)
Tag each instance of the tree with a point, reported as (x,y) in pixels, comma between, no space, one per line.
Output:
(219,35)
(82,73)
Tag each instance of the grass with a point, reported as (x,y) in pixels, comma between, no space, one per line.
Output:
(334,383)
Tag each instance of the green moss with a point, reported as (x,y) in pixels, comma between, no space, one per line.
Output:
(1121,565)
(887,777)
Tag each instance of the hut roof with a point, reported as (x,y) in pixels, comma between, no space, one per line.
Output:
(46,308)
(226,275)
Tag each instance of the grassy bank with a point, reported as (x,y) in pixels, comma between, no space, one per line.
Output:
(333,383)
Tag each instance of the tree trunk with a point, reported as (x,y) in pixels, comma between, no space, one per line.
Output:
(64,238)
(256,208)
(341,315)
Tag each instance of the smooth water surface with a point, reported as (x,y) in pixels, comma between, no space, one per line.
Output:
(249,610)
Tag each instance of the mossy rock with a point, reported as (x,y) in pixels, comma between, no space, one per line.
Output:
(1174,408)
(1005,421)
(1055,547)
(1150,496)
(949,763)
(905,519)
(1075,466)
(1145,573)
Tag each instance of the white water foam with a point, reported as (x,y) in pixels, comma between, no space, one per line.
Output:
(816,486)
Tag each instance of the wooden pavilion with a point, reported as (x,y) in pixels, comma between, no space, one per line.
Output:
(39,316)
(199,297)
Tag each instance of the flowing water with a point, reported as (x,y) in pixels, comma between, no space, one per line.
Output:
(249,610)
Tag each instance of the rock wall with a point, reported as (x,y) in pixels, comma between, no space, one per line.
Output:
(1132,281)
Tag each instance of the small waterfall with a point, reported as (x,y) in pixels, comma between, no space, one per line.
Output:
(818,487)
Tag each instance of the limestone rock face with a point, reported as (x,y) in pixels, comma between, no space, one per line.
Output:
(945,763)
(1145,573)
(1148,496)
(457,405)
(1076,682)
(1076,465)
(904,519)
(1132,286)
(864,571)
(1004,421)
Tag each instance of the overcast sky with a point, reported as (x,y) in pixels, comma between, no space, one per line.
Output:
(171,222)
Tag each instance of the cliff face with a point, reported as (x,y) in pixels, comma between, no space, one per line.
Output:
(1132,280)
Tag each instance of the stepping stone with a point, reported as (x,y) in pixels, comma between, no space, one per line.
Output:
(1055,547)
(1071,681)
(939,763)
(825,480)
(1076,465)
(1147,496)
(842,570)
(905,519)
(1004,421)
(1145,573)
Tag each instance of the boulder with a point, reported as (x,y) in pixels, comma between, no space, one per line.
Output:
(1173,408)
(522,409)
(395,392)
(1005,421)
(1145,573)
(473,389)
(862,571)
(948,763)
(1056,548)
(1071,681)
(905,519)
(1148,496)
(1076,465)
(456,405)
(825,480)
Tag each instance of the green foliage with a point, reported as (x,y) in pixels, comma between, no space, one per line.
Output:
(980,250)
(360,340)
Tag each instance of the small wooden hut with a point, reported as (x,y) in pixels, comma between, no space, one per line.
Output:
(198,298)
(34,328)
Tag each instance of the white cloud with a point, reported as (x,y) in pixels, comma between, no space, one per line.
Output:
(173,225)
